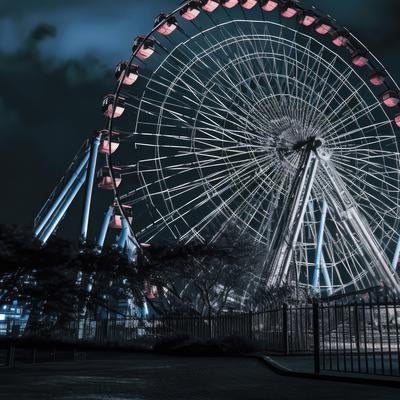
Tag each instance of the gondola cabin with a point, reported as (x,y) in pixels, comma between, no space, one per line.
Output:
(105,180)
(391,99)
(209,5)
(397,120)
(168,24)
(229,3)
(145,47)
(359,60)
(151,291)
(190,11)
(126,73)
(307,19)
(340,39)
(248,4)
(116,219)
(377,79)
(269,5)
(323,28)
(108,106)
(109,148)
(289,11)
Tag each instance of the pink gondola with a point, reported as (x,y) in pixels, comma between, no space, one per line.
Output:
(340,40)
(105,147)
(359,60)
(145,47)
(115,222)
(151,291)
(209,5)
(191,11)
(108,106)
(390,99)
(105,181)
(130,76)
(307,19)
(116,219)
(169,24)
(229,3)
(323,28)
(397,120)
(269,5)
(377,79)
(248,4)
(289,11)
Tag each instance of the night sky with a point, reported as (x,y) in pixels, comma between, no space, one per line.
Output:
(56,63)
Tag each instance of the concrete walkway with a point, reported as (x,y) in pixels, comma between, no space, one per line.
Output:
(148,377)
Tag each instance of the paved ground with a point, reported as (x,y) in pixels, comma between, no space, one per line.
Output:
(379,366)
(147,377)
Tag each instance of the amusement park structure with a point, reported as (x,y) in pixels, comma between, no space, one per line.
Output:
(260,113)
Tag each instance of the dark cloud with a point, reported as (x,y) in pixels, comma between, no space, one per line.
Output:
(48,110)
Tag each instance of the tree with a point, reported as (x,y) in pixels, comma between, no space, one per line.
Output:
(204,278)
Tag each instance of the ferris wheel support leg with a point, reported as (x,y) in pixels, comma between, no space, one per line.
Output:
(324,268)
(144,311)
(318,253)
(326,276)
(131,249)
(124,235)
(396,256)
(63,194)
(284,253)
(104,229)
(89,186)
(60,214)
(360,233)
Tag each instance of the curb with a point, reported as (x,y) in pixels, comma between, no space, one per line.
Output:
(282,370)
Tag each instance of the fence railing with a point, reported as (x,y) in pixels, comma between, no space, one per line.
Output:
(285,329)
(360,338)
(356,337)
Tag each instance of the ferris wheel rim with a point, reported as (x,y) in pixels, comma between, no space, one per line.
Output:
(119,87)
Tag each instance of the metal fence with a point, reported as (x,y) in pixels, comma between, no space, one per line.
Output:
(285,329)
(342,337)
(360,338)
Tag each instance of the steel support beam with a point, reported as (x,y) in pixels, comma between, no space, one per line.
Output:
(104,229)
(318,252)
(123,235)
(358,230)
(89,186)
(44,236)
(323,267)
(82,165)
(396,256)
(131,249)
(283,254)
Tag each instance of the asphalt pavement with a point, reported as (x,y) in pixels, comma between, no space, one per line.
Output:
(126,376)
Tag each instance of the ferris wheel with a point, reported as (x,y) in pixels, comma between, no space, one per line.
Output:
(268,116)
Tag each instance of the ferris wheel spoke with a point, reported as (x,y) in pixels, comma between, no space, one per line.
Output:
(361,129)
(369,185)
(354,115)
(180,212)
(225,204)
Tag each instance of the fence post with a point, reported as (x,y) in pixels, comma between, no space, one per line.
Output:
(317,366)
(11,356)
(285,331)
(251,325)
(34,355)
